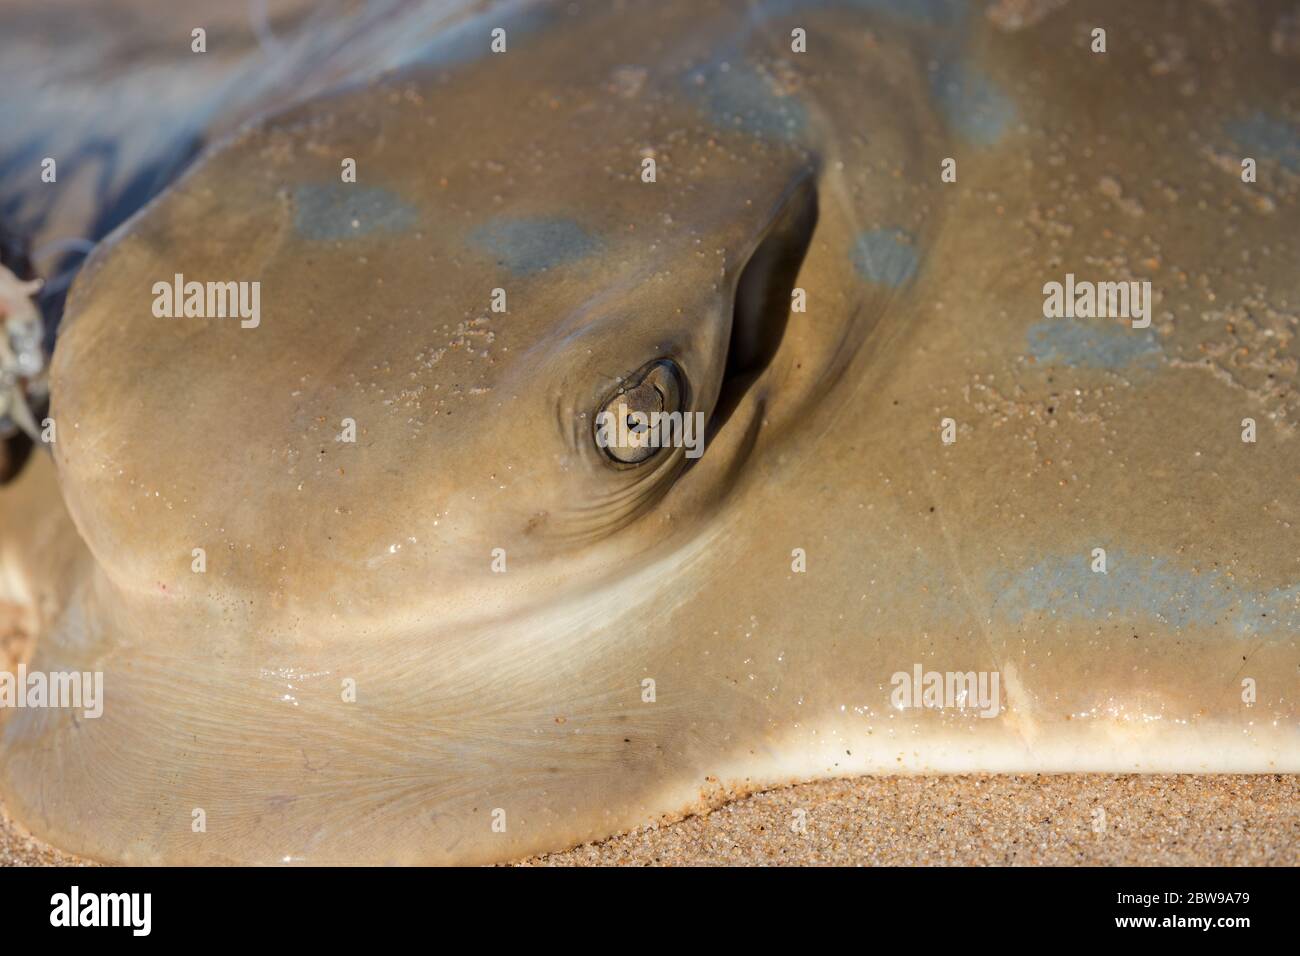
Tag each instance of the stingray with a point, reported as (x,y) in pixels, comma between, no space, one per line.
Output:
(364,586)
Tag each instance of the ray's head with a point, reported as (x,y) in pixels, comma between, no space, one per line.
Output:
(418,399)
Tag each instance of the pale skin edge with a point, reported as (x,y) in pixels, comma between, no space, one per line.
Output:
(1217,818)
(1227,764)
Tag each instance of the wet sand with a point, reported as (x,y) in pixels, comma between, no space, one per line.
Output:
(1150,820)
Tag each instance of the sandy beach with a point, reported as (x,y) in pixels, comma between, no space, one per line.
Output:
(1032,819)
(1150,820)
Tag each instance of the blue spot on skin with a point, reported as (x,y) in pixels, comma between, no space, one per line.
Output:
(329,211)
(1265,136)
(885,256)
(1067,587)
(972,103)
(742,98)
(525,246)
(739,97)
(1091,343)
(1264,611)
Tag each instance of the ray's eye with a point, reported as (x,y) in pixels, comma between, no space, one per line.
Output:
(630,424)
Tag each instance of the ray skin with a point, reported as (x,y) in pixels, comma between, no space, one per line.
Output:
(502,714)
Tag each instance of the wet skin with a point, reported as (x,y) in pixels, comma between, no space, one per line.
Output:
(333,564)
